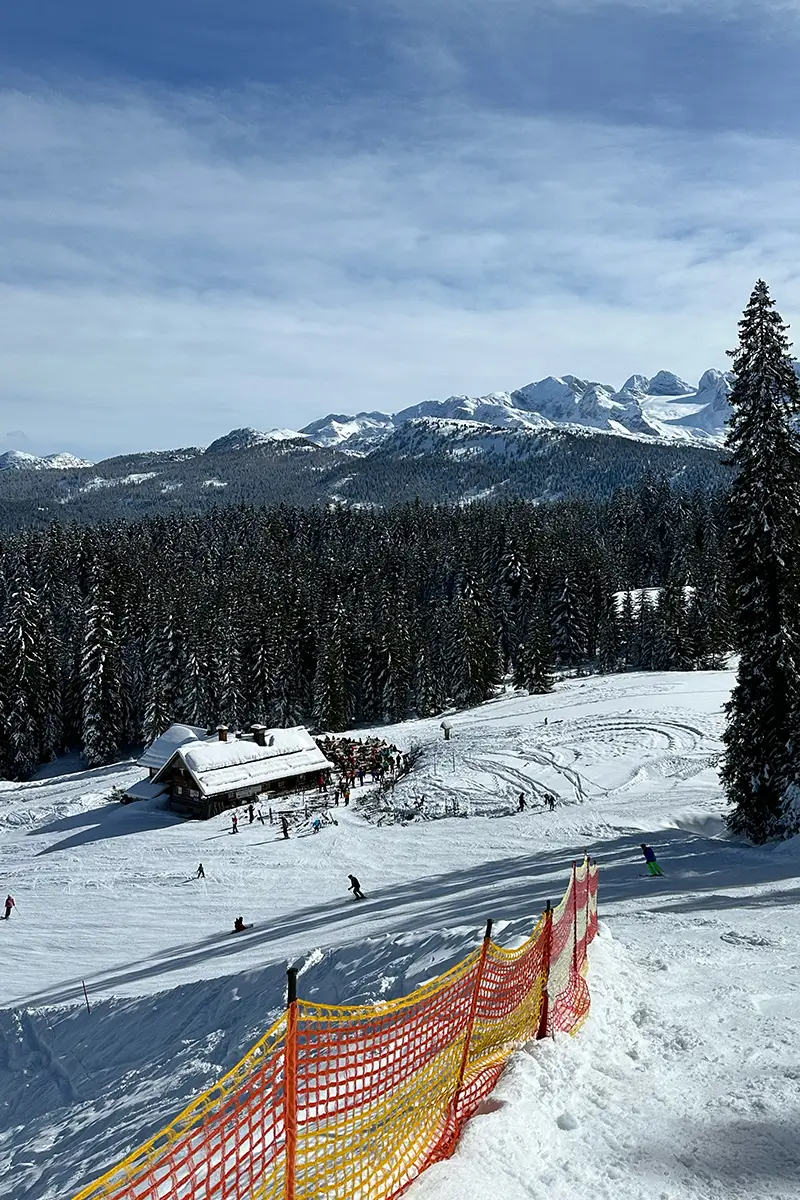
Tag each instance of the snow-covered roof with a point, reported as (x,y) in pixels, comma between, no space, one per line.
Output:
(220,767)
(145,789)
(159,752)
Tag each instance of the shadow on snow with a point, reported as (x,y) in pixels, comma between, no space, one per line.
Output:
(513,890)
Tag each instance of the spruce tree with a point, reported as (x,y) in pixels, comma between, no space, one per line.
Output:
(761,759)
(569,626)
(628,631)
(671,646)
(535,656)
(333,692)
(610,652)
(99,670)
(645,652)
(25,678)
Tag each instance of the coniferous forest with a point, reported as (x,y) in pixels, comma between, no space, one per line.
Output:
(338,616)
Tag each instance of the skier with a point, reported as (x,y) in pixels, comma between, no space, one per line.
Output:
(200,872)
(522,802)
(346,796)
(551,802)
(251,812)
(9,905)
(316,824)
(361,776)
(650,858)
(285,827)
(239,925)
(234,824)
(355,888)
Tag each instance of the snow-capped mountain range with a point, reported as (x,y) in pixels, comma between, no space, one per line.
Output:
(21,460)
(664,407)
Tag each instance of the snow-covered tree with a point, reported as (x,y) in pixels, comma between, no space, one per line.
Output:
(569,625)
(99,669)
(535,655)
(24,677)
(762,756)
(333,691)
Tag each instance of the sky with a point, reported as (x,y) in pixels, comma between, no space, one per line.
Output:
(258,212)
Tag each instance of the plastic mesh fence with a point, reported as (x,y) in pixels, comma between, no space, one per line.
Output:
(354,1103)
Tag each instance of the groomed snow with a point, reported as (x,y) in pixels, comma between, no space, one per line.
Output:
(684,1084)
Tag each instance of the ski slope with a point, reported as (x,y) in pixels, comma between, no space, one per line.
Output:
(684,1083)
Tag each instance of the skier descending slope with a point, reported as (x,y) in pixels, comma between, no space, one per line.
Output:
(650,858)
(355,888)
(10,904)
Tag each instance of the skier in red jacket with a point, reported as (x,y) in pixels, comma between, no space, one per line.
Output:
(9,905)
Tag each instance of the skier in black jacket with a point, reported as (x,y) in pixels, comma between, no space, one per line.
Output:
(355,888)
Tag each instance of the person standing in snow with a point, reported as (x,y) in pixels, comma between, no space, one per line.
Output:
(234,824)
(522,802)
(285,827)
(650,858)
(200,872)
(551,802)
(355,888)
(251,812)
(9,905)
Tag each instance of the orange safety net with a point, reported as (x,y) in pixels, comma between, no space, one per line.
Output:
(353,1103)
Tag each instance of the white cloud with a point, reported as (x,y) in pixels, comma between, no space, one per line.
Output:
(178,268)
(480,11)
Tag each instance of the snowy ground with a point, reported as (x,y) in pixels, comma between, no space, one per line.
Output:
(684,1083)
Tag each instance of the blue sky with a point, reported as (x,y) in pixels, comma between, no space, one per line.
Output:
(257,212)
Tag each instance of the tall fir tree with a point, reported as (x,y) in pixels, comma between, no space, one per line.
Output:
(610,649)
(333,693)
(100,707)
(762,755)
(569,625)
(532,669)
(25,683)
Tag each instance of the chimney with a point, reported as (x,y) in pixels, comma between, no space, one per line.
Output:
(222,731)
(259,734)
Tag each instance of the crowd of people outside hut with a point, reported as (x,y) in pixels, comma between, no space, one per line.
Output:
(359,761)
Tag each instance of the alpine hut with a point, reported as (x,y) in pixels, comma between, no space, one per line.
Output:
(203,777)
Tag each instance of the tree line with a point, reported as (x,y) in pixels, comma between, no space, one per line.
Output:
(338,616)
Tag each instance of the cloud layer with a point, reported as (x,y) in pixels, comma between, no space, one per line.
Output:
(179,262)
